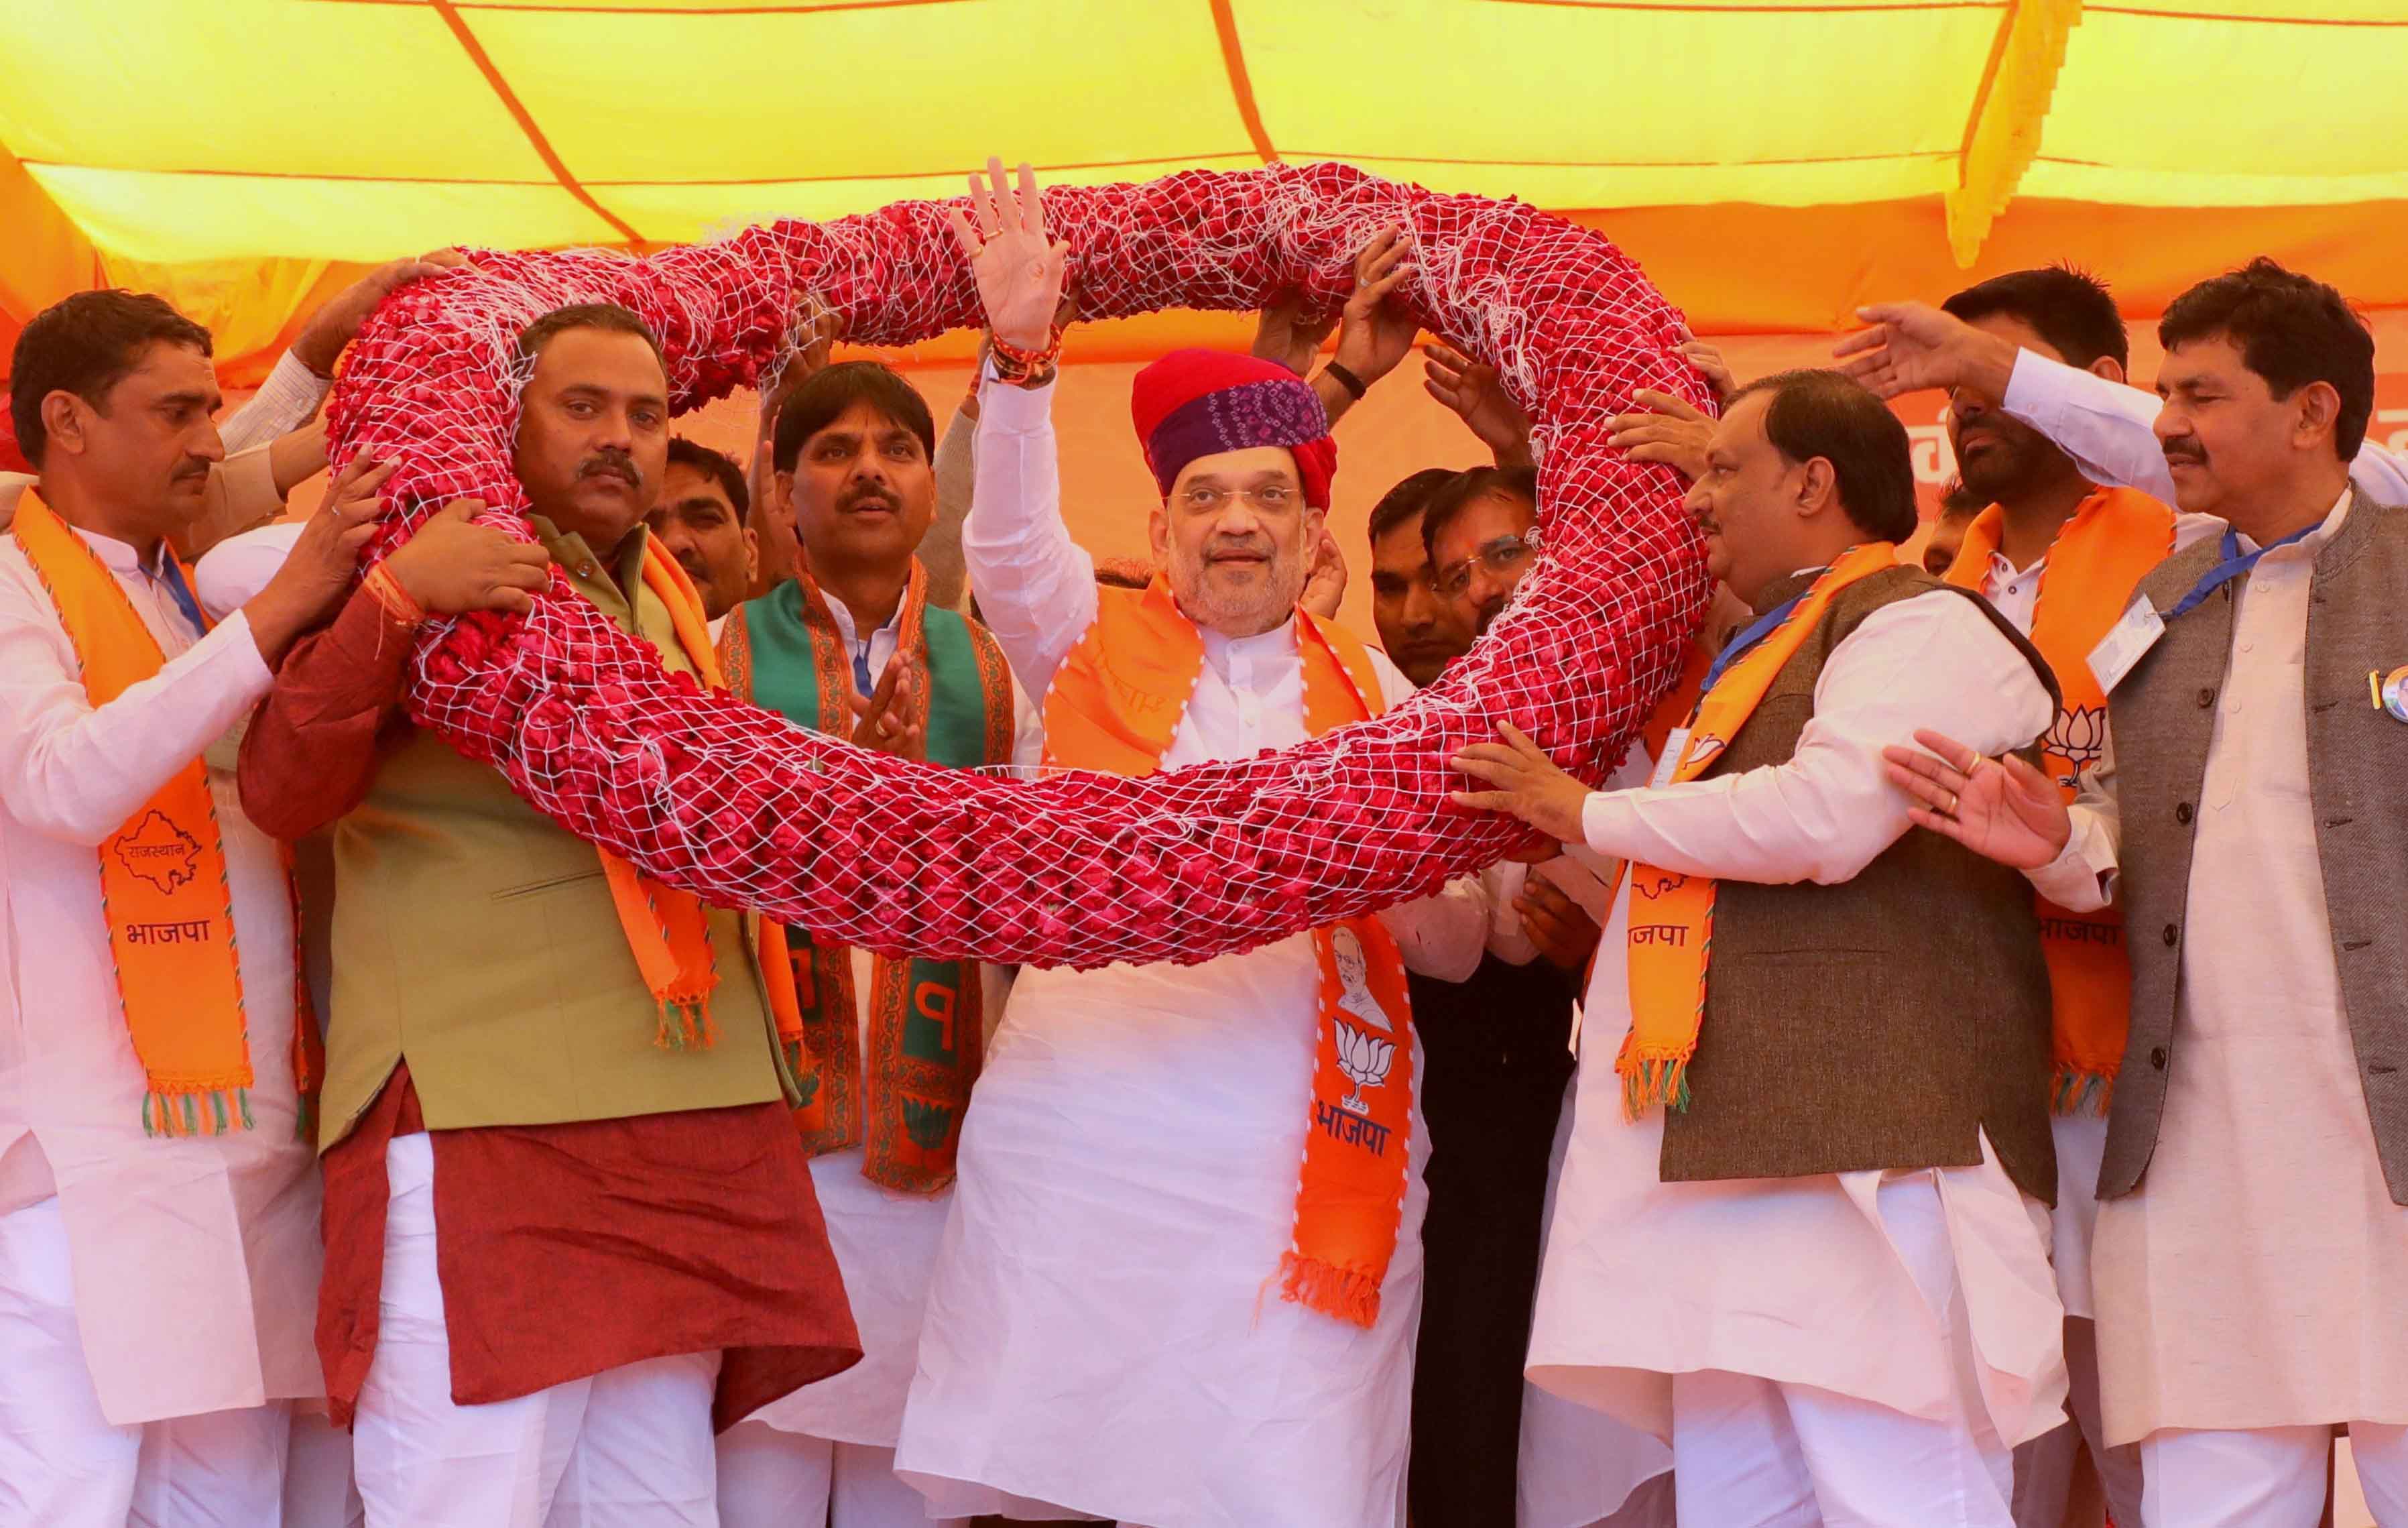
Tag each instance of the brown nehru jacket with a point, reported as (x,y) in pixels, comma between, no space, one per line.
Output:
(1883,1023)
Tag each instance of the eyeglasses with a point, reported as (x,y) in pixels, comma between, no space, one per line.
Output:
(1269,498)
(1500,558)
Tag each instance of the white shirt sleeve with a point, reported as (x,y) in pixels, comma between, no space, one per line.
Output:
(1027,728)
(76,773)
(284,404)
(2108,429)
(1035,587)
(12,488)
(2082,879)
(1932,662)
(236,569)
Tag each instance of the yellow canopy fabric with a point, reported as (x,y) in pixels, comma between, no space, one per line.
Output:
(1771,161)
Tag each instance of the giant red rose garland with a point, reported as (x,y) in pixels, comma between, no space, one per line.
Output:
(746,809)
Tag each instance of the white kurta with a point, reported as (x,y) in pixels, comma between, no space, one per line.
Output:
(1800,1280)
(1103,1331)
(2257,1277)
(885,1241)
(2081,1138)
(195,1261)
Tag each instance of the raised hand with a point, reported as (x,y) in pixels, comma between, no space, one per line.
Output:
(1708,361)
(1286,336)
(1374,335)
(2001,808)
(1325,579)
(880,719)
(1476,395)
(1913,345)
(1021,270)
(1527,784)
(317,573)
(452,566)
(1664,429)
(334,326)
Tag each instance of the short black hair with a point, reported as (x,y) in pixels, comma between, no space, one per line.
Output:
(2290,329)
(2071,309)
(86,345)
(1825,414)
(1405,501)
(714,464)
(1449,500)
(822,399)
(588,315)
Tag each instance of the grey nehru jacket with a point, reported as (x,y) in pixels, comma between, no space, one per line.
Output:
(2164,720)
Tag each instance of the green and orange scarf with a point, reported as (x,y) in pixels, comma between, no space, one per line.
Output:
(1115,705)
(900,1095)
(2114,538)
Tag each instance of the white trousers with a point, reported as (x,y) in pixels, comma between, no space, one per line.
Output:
(630,1448)
(773,1480)
(1750,1452)
(1754,1453)
(2272,1477)
(2044,1466)
(62,1464)
(318,1488)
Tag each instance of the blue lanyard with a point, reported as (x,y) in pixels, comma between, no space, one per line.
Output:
(2236,562)
(1754,632)
(172,576)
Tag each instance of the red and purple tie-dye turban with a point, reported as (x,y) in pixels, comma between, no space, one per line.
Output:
(1197,403)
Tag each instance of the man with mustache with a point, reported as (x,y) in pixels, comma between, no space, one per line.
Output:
(2059,556)
(1795,1235)
(886,1051)
(2250,1258)
(569,1229)
(699,520)
(1180,1282)
(158,1218)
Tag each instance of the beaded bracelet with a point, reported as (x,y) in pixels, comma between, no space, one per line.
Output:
(1018,367)
(395,600)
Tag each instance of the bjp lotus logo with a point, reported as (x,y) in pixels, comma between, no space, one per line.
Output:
(1364,1060)
(2080,739)
(926,1124)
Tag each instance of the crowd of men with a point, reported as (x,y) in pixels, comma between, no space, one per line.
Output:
(1953,1069)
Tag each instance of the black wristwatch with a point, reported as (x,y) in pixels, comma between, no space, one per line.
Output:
(1347,379)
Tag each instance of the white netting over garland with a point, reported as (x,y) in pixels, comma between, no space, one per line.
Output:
(746,809)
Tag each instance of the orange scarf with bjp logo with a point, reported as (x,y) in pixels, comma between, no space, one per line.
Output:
(667,930)
(1115,705)
(162,876)
(1671,916)
(2114,538)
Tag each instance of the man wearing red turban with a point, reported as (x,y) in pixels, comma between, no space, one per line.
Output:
(1182,1276)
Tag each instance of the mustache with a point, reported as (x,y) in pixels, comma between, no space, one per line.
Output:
(191,469)
(1242,546)
(869,494)
(2185,450)
(616,464)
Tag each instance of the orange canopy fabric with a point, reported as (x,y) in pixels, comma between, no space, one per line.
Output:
(1772,162)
